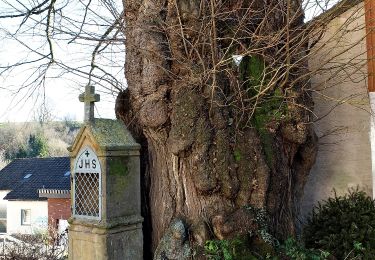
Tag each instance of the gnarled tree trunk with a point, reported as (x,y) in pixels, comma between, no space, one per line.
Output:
(213,138)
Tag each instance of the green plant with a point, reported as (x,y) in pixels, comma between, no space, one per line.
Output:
(344,226)
(295,250)
(231,249)
(37,146)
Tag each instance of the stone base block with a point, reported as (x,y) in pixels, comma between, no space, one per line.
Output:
(90,242)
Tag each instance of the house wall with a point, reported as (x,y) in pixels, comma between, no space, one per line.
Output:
(58,209)
(39,219)
(3,211)
(342,110)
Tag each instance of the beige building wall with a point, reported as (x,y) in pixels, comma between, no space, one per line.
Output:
(342,110)
(38,221)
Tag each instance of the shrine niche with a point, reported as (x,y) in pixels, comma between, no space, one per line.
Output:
(87,185)
(106,222)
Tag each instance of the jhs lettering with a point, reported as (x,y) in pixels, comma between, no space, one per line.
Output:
(87,164)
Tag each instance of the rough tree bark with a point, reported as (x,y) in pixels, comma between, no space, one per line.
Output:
(204,155)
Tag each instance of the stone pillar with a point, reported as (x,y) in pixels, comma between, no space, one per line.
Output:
(106,220)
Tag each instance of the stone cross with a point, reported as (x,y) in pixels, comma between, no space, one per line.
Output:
(89,97)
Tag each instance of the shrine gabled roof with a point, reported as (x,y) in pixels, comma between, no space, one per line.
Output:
(23,177)
(109,134)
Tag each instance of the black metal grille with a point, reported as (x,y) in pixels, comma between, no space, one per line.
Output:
(87,194)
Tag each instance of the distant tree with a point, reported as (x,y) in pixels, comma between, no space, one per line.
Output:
(21,153)
(37,146)
(71,123)
(44,113)
(25,140)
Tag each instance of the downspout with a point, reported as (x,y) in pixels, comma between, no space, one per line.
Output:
(370,41)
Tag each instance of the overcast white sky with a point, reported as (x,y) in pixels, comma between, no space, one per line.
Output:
(61,91)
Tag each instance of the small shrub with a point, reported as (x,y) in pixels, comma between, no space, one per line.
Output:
(232,249)
(256,244)
(42,246)
(296,251)
(344,226)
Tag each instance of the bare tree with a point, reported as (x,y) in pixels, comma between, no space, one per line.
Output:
(44,113)
(218,94)
(41,33)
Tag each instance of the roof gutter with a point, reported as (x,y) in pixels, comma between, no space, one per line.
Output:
(54,193)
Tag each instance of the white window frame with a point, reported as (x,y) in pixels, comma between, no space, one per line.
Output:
(23,216)
(4,220)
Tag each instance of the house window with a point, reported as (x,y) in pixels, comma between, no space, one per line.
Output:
(27,176)
(3,217)
(3,225)
(25,216)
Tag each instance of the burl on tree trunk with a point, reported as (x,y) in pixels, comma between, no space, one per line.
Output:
(217,135)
